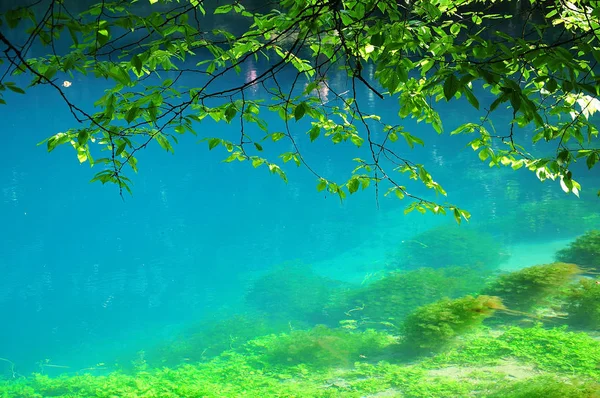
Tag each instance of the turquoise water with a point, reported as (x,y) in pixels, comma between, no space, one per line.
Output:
(89,277)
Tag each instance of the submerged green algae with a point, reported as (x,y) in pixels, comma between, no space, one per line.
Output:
(475,366)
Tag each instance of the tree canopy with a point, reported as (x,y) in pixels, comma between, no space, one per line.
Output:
(538,60)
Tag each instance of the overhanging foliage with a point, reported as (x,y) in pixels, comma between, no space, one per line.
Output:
(417,54)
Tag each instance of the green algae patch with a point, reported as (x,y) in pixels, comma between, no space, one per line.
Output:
(435,325)
(396,294)
(321,347)
(551,350)
(533,286)
(548,386)
(582,304)
(476,366)
(583,251)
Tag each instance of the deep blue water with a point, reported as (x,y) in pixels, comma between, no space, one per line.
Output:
(87,275)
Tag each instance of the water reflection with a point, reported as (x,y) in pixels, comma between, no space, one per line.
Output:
(251,77)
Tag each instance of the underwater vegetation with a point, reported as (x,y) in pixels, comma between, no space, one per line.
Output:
(435,325)
(582,304)
(397,293)
(548,387)
(435,331)
(450,245)
(206,340)
(549,350)
(320,347)
(584,251)
(512,362)
(291,292)
(533,286)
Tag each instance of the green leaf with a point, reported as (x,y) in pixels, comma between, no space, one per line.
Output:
(56,140)
(257,162)
(356,140)
(300,111)
(321,185)
(314,133)
(277,136)
(83,137)
(591,160)
(136,62)
(426,65)
(484,154)
(377,39)
(131,114)
(411,140)
(14,88)
(457,215)
(353,185)
(120,75)
(451,86)
(471,97)
(102,36)
(213,142)
(399,193)
(163,142)
(120,148)
(498,101)
(104,177)
(551,85)
(12,18)
(230,112)
(224,9)
(82,156)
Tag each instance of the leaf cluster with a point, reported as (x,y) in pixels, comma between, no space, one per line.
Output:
(431,52)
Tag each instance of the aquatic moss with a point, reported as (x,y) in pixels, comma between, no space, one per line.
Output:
(320,347)
(533,286)
(230,375)
(548,386)
(206,339)
(396,294)
(551,350)
(434,325)
(291,293)
(584,251)
(582,304)
(252,374)
(453,245)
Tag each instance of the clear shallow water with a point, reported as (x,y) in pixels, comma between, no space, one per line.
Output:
(88,277)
